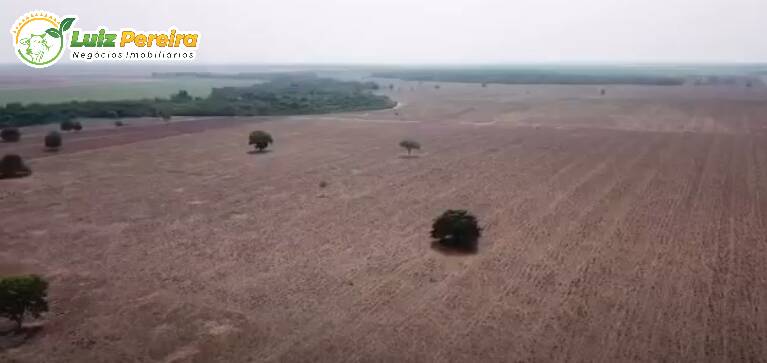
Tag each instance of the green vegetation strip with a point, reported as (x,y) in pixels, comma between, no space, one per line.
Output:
(281,96)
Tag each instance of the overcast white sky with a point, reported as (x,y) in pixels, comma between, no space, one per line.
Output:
(436,31)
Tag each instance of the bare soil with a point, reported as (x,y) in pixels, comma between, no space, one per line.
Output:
(629,227)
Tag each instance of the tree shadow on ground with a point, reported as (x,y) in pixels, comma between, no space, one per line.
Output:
(14,338)
(16,175)
(257,152)
(454,250)
(412,156)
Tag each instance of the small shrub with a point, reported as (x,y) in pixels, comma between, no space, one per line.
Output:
(53,140)
(77,126)
(119,123)
(12,166)
(457,229)
(323,184)
(10,134)
(165,116)
(22,295)
(67,125)
(260,139)
(410,145)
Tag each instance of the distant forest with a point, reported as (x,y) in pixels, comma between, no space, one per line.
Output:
(283,95)
(265,76)
(531,76)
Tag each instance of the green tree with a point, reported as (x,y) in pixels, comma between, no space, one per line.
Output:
(67,125)
(456,229)
(165,115)
(410,145)
(181,96)
(12,166)
(14,106)
(77,126)
(53,140)
(10,134)
(260,139)
(23,295)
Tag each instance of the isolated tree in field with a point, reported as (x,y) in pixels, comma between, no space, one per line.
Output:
(21,296)
(12,166)
(67,125)
(456,229)
(260,139)
(119,123)
(602,92)
(391,86)
(77,126)
(53,140)
(436,86)
(484,85)
(165,116)
(410,145)
(10,134)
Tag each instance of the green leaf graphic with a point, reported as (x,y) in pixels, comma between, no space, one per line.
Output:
(66,24)
(54,32)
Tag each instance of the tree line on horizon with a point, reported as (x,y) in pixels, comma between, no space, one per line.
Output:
(532,76)
(281,96)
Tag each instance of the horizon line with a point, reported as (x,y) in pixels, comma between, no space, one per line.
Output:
(437,64)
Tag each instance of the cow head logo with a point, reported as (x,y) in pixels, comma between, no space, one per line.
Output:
(38,38)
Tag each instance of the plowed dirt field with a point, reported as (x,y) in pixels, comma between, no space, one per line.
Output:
(629,227)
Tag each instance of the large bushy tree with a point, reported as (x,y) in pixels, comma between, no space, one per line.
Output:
(457,229)
(53,140)
(260,139)
(12,166)
(10,134)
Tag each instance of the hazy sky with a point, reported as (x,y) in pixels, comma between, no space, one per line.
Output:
(436,31)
